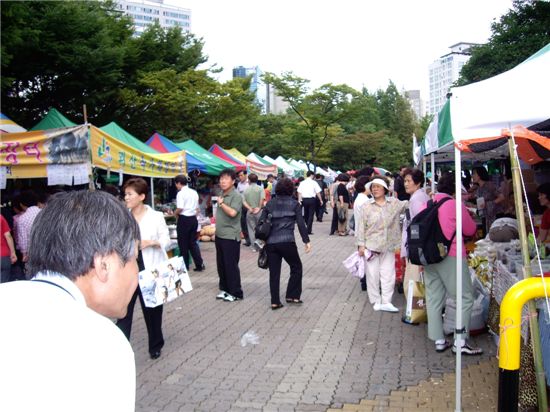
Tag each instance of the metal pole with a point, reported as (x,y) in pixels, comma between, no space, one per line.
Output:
(532,310)
(459,329)
(152,194)
(432,169)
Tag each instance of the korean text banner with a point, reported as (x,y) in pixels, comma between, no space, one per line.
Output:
(27,155)
(110,154)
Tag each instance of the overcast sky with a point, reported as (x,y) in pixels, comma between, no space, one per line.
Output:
(356,42)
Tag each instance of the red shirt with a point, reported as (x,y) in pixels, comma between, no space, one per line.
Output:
(4,228)
(545,222)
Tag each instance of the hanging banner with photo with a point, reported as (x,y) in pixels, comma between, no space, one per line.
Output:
(28,154)
(111,154)
(261,170)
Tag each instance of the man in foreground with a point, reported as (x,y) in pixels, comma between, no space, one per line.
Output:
(60,351)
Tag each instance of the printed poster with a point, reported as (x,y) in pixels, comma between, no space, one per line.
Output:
(164,283)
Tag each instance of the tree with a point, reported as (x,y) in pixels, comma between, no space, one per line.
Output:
(192,105)
(61,54)
(518,34)
(319,111)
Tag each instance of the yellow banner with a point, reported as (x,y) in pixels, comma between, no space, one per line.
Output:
(111,154)
(27,155)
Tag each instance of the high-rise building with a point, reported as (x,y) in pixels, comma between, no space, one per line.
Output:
(413,96)
(256,83)
(444,72)
(146,12)
(275,103)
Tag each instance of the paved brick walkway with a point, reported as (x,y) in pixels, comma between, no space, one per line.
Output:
(333,351)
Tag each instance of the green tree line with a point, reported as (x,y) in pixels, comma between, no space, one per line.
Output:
(69,54)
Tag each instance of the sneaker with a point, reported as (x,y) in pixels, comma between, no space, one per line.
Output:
(469,350)
(200,268)
(376,307)
(221,295)
(388,307)
(442,346)
(230,298)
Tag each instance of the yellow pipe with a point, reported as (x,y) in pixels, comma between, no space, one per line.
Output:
(510,318)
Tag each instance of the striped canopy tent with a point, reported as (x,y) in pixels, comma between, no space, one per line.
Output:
(214,165)
(53,120)
(9,126)
(237,155)
(161,144)
(259,166)
(380,170)
(272,161)
(164,145)
(224,155)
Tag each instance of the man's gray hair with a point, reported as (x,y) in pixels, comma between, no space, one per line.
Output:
(75,227)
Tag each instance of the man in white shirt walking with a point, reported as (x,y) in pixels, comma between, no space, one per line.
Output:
(308,190)
(83,250)
(187,204)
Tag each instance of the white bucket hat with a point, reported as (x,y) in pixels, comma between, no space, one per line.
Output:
(377,181)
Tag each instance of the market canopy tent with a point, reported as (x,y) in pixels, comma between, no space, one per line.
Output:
(288,169)
(214,165)
(53,120)
(224,155)
(114,130)
(237,155)
(9,126)
(477,116)
(164,145)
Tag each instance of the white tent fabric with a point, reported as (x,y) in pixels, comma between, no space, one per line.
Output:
(516,97)
(287,168)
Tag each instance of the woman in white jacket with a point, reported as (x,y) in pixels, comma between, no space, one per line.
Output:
(154,240)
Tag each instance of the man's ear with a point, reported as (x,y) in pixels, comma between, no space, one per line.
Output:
(102,268)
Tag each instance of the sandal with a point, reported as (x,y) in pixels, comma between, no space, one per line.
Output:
(276,306)
(294,301)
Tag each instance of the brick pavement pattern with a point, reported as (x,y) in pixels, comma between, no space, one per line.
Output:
(331,352)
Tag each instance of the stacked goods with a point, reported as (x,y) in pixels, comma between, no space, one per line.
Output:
(208,233)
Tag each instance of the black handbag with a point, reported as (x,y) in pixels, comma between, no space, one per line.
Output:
(263,228)
(262,258)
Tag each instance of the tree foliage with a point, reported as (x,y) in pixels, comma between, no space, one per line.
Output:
(518,34)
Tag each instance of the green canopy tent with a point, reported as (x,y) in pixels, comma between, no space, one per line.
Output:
(53,120)
(120,134)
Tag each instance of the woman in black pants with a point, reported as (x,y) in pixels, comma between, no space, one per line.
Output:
(280,244)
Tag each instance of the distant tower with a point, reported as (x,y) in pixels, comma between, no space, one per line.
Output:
(146,12)
(413,96)
(444,72)
(256,84)
(275,103)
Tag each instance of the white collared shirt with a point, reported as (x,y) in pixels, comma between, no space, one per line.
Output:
(309,188)
(187,200)
(153,227)
(78,358)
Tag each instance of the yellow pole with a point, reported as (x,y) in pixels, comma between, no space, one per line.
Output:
(510,338)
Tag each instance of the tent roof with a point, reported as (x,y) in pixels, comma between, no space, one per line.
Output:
(162,144)
(258,159)
(214,165)
(237,155)
(53,120)
(122,135)
(222,154)
(9,126)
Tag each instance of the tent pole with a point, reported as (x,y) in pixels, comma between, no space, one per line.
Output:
(532,310)
(152,194)
(459,331)
(432,169)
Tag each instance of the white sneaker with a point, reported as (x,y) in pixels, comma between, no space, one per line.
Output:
(221,295)
(376,307)
(388,307)
(230,298)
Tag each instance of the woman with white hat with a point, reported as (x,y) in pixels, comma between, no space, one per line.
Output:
(378,237)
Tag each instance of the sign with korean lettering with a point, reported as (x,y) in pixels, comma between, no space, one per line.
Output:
(111,154)
(27,154)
